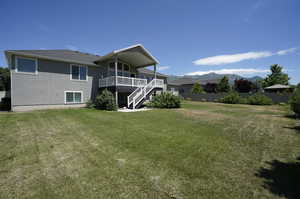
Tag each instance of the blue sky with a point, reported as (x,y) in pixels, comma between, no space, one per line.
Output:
(188,37)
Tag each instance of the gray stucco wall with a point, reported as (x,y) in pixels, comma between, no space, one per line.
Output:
(49,85)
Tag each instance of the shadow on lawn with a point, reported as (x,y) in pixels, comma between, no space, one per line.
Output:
(282,179)
(297,128)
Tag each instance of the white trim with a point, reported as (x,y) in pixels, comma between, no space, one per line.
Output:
(134,46)
(65,97)
(29,73)
(80,80)
(109,55)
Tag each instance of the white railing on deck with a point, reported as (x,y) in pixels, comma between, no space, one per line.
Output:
(140,93)
(122,81)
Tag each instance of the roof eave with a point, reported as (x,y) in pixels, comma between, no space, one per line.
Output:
(116,52)
(48,58)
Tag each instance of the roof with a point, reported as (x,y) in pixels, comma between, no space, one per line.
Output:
(151,72)
(189,80)
(69,56)
(59,55)
(278,86)
(137,55)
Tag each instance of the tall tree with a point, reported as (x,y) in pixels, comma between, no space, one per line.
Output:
(211,87)
(243,85)
(223,85)
(4,79)
(276,76)
(197,88)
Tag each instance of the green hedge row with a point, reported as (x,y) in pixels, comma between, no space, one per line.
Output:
(256,99)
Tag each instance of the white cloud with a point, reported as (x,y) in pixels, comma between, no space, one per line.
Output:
(287,51)
(233,58)
(71,47)
(238,71)
(227,59)
(161,68)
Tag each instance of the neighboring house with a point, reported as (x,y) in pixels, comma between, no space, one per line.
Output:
(279,88)
(59,78)
(184,85)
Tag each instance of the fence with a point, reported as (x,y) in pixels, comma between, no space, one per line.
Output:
(213,97)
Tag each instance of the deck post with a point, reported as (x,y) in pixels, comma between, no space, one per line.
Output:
(116,81)
(154,71)
(155,74)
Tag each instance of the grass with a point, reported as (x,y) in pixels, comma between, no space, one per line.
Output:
(203,150)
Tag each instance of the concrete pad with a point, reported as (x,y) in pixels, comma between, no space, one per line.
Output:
(126,110)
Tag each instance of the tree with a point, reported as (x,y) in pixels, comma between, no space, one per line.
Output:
(298,87)
(211,87)
(243,85)
(276,77)
(105,101)
(223,85)
(4,79)
(197,88)
(295,102)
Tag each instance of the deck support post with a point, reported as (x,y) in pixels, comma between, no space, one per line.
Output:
(116,81)
(154,71)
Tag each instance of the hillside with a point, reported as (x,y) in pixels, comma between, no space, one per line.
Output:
(213,77)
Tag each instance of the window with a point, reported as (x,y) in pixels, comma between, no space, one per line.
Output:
(26,65)
(78,72)
(123,69)
(126,67)
(73,97)
(120,66)
(112,65)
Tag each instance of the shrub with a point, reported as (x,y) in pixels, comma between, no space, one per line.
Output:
(259,99)
(295,103)
(231,98)
(197,89)
(5,104)
(106,101)
(90,104)
(165,100)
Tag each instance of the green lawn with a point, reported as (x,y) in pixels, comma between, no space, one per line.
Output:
(203,150)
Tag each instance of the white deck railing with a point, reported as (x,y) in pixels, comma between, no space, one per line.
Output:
(140,93)
(122,81)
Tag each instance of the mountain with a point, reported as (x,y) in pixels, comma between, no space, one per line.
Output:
(212,77)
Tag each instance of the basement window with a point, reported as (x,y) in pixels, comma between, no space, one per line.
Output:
(73,97)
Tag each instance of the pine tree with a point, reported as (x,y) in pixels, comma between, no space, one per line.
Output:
(223,85)
(276,77)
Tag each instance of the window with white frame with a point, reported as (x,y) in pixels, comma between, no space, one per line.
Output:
(73,97)
(26,65)
(78,72)
(123,69)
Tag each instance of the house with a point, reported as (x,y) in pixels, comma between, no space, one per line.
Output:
(184,85)
(65,78)
(279,88)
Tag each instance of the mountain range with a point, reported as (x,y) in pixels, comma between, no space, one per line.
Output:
(213,77)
